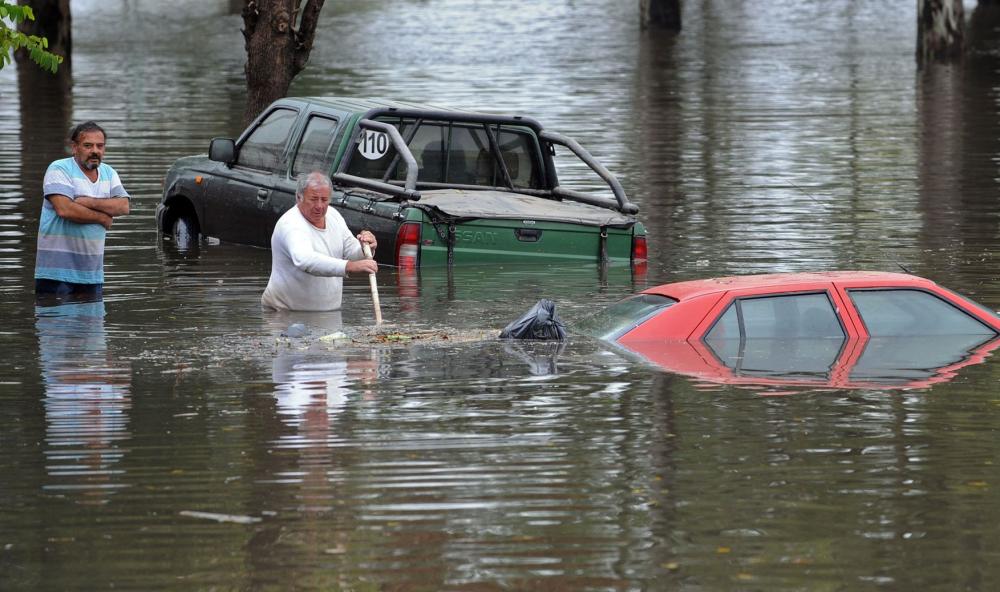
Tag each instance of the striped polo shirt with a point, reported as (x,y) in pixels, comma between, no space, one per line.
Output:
(68,251)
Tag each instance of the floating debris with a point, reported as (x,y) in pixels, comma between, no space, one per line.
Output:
(388,335)
(220,517)
(295,330)
(336,336)
(219,351)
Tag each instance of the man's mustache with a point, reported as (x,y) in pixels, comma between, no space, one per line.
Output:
(87,161)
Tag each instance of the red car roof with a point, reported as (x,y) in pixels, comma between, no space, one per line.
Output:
(790,281)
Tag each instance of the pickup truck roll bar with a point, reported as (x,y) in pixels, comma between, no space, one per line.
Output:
(408,190)
(624,205)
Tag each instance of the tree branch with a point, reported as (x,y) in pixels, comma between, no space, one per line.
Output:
(306,33)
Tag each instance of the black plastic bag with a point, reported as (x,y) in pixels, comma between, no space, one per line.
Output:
(540,322)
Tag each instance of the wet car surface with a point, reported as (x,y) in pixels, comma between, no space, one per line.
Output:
(436,186)
(836,329)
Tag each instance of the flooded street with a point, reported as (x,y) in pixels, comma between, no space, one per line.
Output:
(171,438)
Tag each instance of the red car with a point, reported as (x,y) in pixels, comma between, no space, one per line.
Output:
(837,329)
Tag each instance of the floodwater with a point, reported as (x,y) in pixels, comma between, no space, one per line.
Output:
(170,438)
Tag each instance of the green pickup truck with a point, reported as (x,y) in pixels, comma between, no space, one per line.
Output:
(436,186)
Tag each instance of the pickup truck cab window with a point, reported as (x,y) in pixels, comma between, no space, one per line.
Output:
(264,147)
(517,151)
(429,146)
(374,166)
(314,152)
(458,154)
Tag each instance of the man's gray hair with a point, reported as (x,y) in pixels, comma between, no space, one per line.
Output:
(317,179)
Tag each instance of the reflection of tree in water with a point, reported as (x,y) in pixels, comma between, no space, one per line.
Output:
(958,148)
(87,399)
(45,112)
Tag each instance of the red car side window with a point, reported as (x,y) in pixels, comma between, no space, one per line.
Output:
(907,313)
(786,315)
(788,336)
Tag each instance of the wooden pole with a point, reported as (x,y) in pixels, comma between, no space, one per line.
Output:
(374,285)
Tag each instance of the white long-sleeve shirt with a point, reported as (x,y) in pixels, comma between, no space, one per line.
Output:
(308,263)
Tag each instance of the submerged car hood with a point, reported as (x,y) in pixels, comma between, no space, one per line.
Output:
(459,203)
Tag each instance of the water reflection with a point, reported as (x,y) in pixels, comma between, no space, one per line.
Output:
(492,296)
(918,363)
(877,363)
(302,476)
(314,385)
(472,467)
(306,388)
(44,109)
(541,359)
(87,401)
(958,150)
(458,472)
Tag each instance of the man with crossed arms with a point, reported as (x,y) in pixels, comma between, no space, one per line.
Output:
(82,197)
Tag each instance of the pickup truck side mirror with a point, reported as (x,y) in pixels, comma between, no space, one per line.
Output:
(222,150)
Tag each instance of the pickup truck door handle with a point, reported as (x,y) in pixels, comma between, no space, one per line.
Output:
(528,235)
(262,194)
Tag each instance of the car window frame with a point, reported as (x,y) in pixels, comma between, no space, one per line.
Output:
(409,126)
(864,325)
(736,300)
(249,132)
(537,166)
(331,149)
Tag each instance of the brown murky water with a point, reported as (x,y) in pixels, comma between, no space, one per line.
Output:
(171,438)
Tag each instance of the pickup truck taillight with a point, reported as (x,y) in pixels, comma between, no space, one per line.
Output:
(408,245)
(639,251)
(640,255)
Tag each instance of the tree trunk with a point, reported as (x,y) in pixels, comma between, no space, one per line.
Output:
(940,25)
(279,37)
(660,14)
(52,21)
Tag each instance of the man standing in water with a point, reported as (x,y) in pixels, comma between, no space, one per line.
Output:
(312,250)
(82,197)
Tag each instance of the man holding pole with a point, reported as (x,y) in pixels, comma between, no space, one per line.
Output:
(312,250)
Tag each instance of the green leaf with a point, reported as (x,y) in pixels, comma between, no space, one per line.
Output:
(12,39)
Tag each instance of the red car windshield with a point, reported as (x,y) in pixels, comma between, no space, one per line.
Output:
(624,315)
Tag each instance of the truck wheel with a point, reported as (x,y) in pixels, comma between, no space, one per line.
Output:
(185,231)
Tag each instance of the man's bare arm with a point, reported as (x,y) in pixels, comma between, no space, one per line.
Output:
(112,206)
(70,210)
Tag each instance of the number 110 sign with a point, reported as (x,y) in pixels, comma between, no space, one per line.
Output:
(373,145)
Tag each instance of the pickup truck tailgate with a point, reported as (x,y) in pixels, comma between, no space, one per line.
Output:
(487,226)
